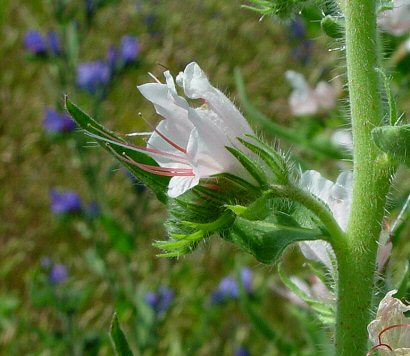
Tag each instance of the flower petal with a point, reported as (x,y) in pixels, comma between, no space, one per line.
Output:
(179,185)
(196,86)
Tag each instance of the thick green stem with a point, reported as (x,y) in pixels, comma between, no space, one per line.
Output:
(356,258)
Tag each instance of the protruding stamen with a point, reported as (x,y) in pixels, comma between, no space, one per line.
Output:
(154,77)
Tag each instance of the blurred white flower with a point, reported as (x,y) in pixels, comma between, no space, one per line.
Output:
(397,20)
(313,289)
(189,144)
(343,137)
(338,198)
(305,100)
(390,331)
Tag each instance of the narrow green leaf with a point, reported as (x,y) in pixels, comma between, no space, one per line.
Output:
(118,147)
(118,339)
(390,97)
(395,141)
(325,311)
(274,161)
(251,166)
(222,222)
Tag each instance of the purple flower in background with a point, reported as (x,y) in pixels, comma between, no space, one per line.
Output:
(55,122)
(228,287)
(297,28)
(247,278)
(92,76)
(129,49)
(242,351)
(160,300)
(58,274)
(53,43)
(67,202)
(35,43)
(112,58)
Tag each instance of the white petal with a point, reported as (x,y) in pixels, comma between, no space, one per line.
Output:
(337,196)
(167,104)
(391,312)
(179,185)
(325,95)
(319,251)
(196,86)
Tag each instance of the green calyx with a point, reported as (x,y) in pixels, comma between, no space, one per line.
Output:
(395,141)
(333,27)
(282,9)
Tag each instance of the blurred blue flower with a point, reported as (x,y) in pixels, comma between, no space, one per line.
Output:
(67,202)
(53,43)
(247,278)
(55,122)
(112,58)
(160,300)
(242,351)
(93,76)
(297,28)
(302,46)
(35,43)
(58,274)
(129,49)
(228,287)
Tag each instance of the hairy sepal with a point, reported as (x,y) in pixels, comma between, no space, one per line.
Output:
(267,239)
(273,159)
(333,27)
(395,141)
(283,9)
(158,184)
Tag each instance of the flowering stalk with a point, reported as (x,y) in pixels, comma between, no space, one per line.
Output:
(372,172)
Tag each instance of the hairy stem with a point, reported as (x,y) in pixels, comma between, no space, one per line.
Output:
(357,257)
(337,236)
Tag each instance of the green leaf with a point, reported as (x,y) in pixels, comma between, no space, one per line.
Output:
(272,158)
(390,97)
(118,339)
(267,240)
(333,27)
(251,166)
(118,147)
(325,311)
(395,141)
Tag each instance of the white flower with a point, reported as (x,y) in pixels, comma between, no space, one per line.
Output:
(396,21)
(305,100)
(189,143)
(338,197)
(315,290)
(343,137)
(390,331)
